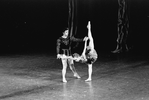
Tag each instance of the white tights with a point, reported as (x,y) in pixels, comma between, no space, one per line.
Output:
(89,72)
(69,62)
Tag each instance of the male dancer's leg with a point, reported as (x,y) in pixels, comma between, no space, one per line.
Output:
(64,63)
(71,65)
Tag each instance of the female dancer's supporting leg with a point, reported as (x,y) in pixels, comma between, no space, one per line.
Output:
(89,73)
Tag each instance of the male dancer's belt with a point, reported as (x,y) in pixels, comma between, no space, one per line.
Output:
(66,52)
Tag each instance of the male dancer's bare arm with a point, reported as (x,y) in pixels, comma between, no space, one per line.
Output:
(84,50)
(76,39)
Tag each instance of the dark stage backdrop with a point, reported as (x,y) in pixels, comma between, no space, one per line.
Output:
(34,25)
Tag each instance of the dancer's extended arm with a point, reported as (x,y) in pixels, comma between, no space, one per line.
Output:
(84,50)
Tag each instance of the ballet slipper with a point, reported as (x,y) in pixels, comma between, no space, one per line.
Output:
(77,76)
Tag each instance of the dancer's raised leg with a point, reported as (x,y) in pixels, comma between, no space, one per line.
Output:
(91,41)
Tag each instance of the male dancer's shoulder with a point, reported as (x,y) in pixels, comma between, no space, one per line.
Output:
(59,39)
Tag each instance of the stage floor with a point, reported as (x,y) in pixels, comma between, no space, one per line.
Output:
(38,77)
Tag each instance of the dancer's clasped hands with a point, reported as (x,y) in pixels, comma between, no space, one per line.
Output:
(85,38)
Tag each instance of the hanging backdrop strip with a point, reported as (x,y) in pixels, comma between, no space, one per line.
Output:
(72,18)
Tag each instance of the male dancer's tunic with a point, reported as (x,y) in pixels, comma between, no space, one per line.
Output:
(63,45)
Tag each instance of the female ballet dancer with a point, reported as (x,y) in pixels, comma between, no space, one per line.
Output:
(89,53)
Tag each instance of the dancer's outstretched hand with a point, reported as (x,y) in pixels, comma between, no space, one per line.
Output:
(58,56)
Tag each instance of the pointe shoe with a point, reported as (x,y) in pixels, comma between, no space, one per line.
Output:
(88,80)
(77,76)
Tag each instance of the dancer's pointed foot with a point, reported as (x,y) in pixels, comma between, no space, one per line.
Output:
(88,80)
(77,76)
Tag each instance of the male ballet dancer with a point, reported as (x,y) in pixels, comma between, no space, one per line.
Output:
(63,51)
